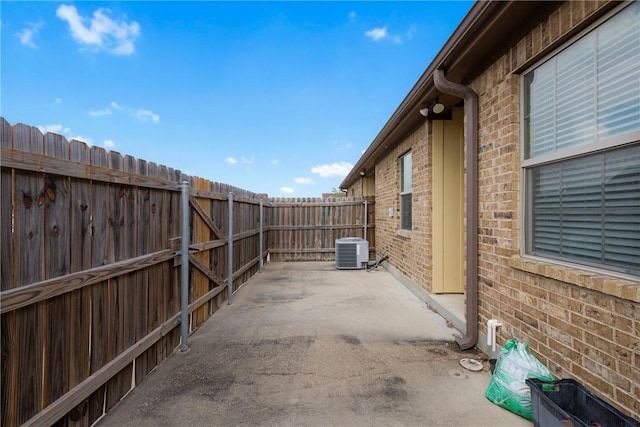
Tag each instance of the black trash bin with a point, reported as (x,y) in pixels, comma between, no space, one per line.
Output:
(567,403)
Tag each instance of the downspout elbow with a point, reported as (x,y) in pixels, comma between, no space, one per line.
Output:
(470,338)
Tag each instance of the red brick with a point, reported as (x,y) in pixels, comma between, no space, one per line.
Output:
(633,374)
(626,403)
(598,329)
(594,382)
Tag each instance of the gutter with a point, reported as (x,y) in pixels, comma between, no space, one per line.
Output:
(470,338)
(488,28)
(423,86)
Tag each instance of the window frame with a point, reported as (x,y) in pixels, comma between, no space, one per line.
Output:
(403,161)
(599,145)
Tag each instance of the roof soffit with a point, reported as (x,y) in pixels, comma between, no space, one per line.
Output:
(488,30)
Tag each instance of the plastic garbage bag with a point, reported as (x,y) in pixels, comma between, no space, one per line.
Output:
(507,387)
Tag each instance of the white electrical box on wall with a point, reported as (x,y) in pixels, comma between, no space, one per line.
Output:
(391,212)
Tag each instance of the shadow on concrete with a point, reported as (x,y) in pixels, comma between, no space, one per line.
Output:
(304,344)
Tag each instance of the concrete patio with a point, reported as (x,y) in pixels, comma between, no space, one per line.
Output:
(304,344)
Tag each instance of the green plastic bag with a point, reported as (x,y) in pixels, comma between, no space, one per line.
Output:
(507,387)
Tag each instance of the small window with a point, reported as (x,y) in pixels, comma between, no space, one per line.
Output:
(582,150)
(405,192)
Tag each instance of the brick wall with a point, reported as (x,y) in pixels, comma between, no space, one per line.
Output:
(356,189)
(409,252)
(580,324)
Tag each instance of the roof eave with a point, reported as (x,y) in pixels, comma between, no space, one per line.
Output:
(456,56)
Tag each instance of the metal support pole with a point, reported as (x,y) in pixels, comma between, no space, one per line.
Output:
(184,270)
(261,230)
(366,217)
(230,251)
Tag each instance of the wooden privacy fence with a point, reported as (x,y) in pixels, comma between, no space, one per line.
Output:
(305,229)
(90,280)
(91,266)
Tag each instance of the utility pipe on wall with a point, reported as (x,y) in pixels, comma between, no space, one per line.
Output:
(470,338)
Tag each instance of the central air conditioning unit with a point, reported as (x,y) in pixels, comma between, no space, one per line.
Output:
(352,253)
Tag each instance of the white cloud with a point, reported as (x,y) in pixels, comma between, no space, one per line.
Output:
(58,100)
(65,131)
(303,180)
(142,115)
(108,143)
(352,16)
(275,162)
(243,160)
(54,128)
(377,33)
(28,33)
(102,32)
(411,31)
(334,169)
(287,190)
(88,141)
(97,113)
(341,145)
(146,115)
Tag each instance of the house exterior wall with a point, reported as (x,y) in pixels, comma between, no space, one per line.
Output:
(409,252)
(583,325)
(356,189)
(580,324)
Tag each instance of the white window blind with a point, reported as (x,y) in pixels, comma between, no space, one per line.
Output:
(588,209)
(582,149)
(405,191)
(588,92)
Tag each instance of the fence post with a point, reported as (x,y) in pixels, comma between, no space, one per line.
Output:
(366,216)
(184,270)
(261,236)
(230,251)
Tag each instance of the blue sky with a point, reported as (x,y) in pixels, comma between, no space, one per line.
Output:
(274,97)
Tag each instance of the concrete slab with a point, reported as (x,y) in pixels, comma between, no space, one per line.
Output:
(304,344)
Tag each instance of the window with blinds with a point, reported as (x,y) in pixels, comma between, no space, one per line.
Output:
(405,192)
(582,150)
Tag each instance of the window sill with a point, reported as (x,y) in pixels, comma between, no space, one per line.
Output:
(404,233)
(609,285)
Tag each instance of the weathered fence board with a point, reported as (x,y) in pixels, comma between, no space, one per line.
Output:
(57,263)
(79,299)
(29,267)
(6,214)
(202,232)
(8,336)
(172,287)
(118,287)
(142,285)
(90,292)
(100,331)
